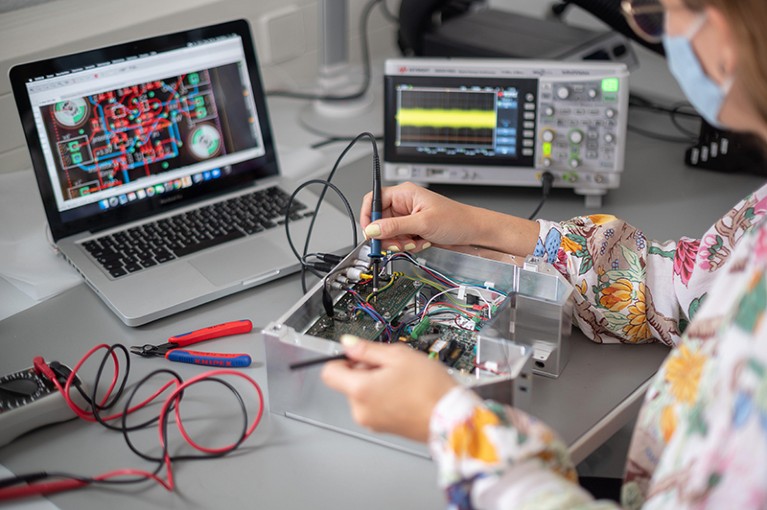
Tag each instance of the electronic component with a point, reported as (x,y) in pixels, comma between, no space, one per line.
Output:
(28,400)
(352,320)
(419,305)
(505,122)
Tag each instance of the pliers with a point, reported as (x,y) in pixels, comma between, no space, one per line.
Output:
(170,350)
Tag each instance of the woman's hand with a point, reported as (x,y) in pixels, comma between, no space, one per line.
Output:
(414,218)
(391,388)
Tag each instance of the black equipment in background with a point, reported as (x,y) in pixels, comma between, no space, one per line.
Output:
(438,28)
(417,17)
(608,11)
(726,151)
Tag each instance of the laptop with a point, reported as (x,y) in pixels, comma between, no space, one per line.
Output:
(157,170)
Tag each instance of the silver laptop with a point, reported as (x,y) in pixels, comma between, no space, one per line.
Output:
(157,170)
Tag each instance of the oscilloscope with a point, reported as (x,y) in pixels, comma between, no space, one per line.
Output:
(505,122)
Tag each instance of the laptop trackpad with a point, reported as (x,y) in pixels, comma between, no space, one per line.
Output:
(233,264)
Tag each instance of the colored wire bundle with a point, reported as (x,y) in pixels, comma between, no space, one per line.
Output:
(38,483)
(448,310)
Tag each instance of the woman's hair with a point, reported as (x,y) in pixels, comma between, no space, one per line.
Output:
(749,21)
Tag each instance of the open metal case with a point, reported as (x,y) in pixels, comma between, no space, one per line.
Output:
(527,332)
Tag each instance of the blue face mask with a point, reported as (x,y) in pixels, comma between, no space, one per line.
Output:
(705,94)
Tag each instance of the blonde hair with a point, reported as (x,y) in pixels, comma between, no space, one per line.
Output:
(749,21)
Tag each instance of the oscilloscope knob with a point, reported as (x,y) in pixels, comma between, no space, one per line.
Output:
(575,136)
(610,113)
(547,162)
(548,135)
(575,163)
(609,138)
(563,92)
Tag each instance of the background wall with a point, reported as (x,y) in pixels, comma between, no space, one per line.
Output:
(288,57)
(64,26)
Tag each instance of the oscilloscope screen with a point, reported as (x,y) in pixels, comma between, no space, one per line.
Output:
(449,120)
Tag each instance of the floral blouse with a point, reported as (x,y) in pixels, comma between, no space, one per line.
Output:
(701,437)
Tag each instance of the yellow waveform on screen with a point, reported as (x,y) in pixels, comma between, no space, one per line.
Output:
(434,117)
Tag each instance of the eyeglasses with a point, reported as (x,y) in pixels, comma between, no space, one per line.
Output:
(645,17)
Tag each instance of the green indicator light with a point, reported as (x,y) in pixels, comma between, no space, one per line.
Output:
(610,85)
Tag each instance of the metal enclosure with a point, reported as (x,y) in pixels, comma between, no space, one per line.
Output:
(531,326)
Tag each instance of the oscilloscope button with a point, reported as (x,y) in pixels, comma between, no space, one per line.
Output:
(548,111)
(575,162)
(548,135)
(563,92)
(547,162)
(610,113)
(592,93)
(609,138)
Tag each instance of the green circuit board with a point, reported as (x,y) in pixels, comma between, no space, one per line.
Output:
(450,343)
(390,303)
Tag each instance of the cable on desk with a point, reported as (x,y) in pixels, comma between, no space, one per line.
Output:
(45,482)
(547,180)
(366,67)
(656,136)
(674,111)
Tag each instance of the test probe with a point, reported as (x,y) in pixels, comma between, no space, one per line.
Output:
(375,214)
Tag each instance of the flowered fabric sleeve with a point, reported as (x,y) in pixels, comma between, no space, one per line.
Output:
(631,289)
(493,456)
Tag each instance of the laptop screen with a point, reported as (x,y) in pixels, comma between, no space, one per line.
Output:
(123,132)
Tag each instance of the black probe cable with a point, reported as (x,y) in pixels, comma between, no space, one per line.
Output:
(547,180)
(327,184)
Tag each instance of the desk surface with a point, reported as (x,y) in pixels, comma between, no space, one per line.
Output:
(288,464)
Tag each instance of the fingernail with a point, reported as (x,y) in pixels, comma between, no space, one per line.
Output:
(393,248)
(349,340)
(373,230)
(409,246)
(427,244)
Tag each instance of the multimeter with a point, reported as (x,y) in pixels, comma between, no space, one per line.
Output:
(28,400)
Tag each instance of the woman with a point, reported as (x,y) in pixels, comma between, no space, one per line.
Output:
(701,437)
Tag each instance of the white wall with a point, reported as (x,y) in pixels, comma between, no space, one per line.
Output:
(65,26)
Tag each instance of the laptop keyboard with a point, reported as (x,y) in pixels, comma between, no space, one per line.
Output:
(153,243)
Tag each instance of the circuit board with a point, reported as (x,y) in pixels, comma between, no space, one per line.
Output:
(453,344)
(389,303)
